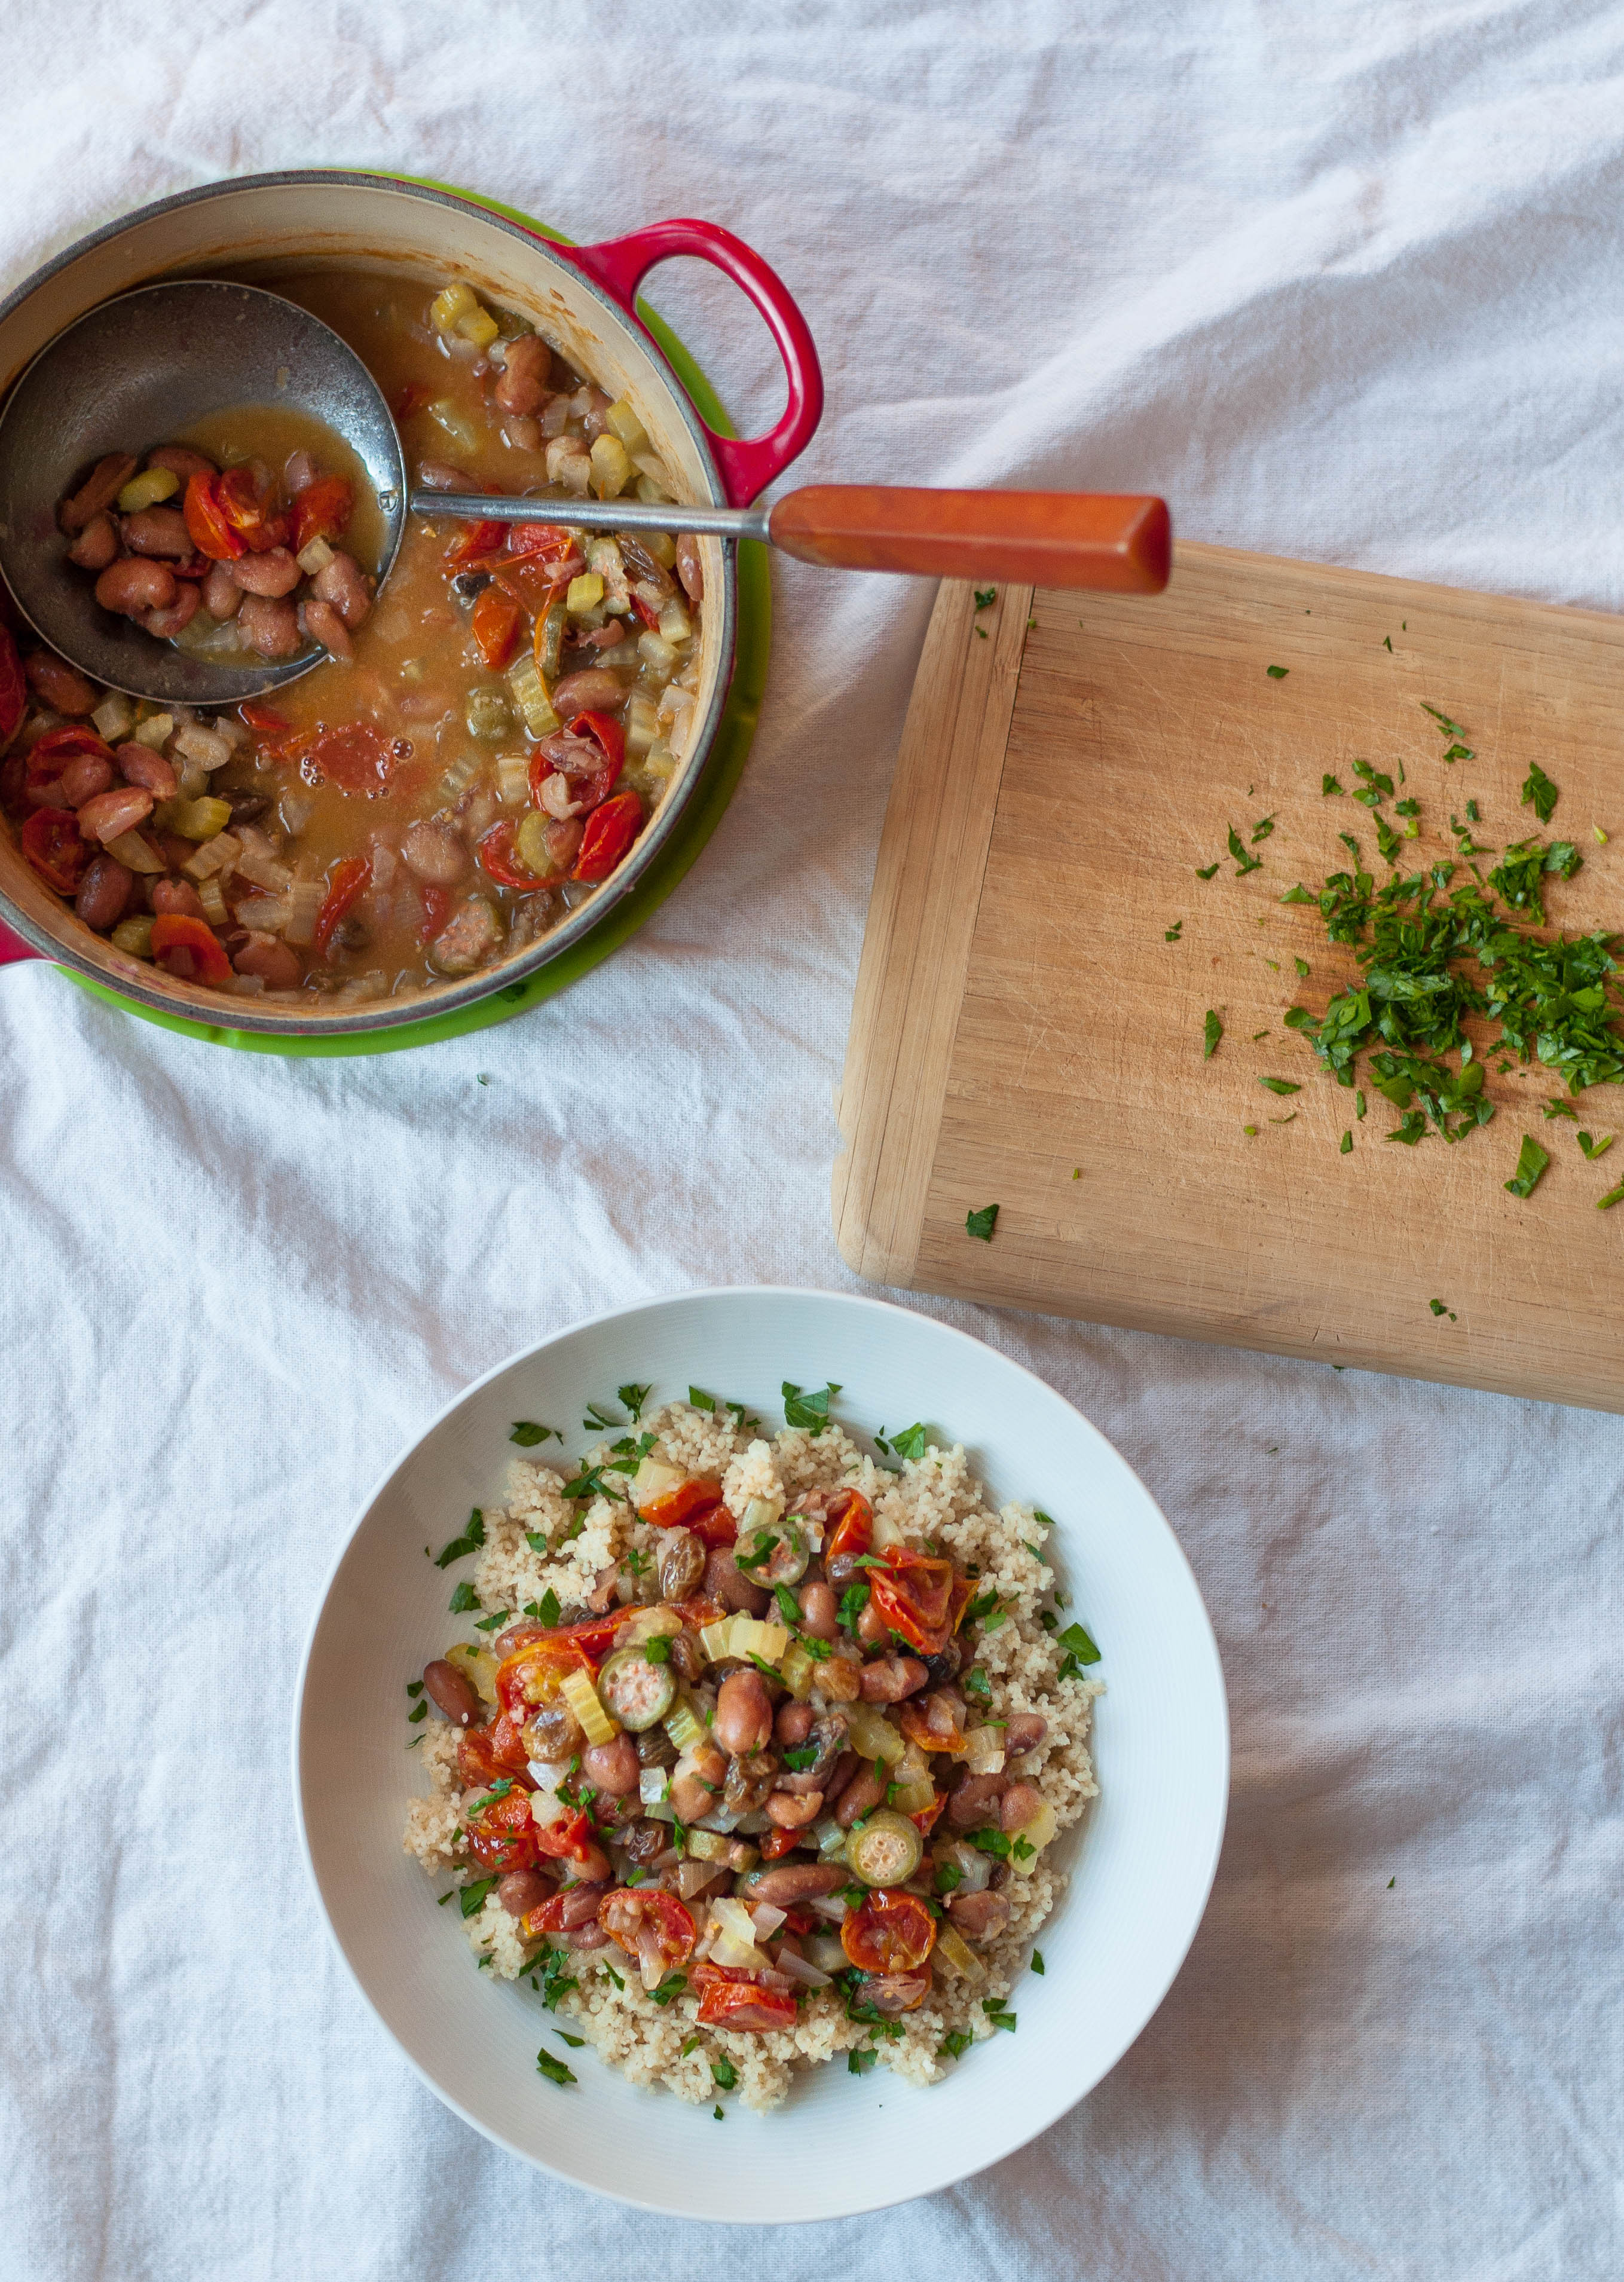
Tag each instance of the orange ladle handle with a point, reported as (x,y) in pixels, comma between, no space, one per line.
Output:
(1118,542)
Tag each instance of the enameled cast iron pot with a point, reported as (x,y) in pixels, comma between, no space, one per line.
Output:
(583,299)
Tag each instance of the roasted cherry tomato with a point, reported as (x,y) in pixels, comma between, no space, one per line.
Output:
(498,860)
(536,1674)
(914,1718)
(912,1594)
(264,720)
(888,1931)
(436,911)
(715,1528)
(501,1836)
(539,542)
(588,789)
(675,1509)
(603,731)
(497,622)
(53,843)
(959,1599)
(655,1928)
(475,539)
(13,687)
(348,879)
(486,1754)
(412,399)
(205,521)
(610,831)
(646,611)
(774,1843)
(570,1839)
(189,949)
(746,2005)
(925,1821)
(243,506)
(853,1530)
(356,757)
(51,754)
(321,511)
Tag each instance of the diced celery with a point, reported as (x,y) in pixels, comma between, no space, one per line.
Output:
(265,872)
(314,557)
(611,470)
(216,855)
(200,820)
(621,421)
(586,593)
(269,913)
(652,493)
(684,1724)
(205,748)
(660,545)
(135,937)
(113,716)
(956,1954)
(453,422)
(512,777)
(873,1735)
(717,1640)
(479,327)
(642,726)
(675,624)
(708,1847)
(212,902)
(480,1664)
(751,1637)
(137,854)
(831,1838)
(452,303)
(305,898)
(660,761)
(155,731)
(530,845)
(487,713)
(529,694)
(147,489)
(656,652)
(582,1698)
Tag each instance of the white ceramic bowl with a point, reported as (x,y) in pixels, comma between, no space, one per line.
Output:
(1141,1864)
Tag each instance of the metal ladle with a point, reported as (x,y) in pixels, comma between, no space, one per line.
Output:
(143,368)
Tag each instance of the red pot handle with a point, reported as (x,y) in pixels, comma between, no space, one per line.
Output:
(619,266)
(12,947)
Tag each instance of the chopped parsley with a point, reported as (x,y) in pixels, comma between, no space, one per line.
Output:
(421,1712)
(809,1411)
(724,2071)
(598,1420)
(1531,1163)
(634,1397)
(613,1976)
(948,1877)
(493,1623)
(464,1598)
(975,1682)
(995,2011)
(854,1599)
(1038,1964)
(1207,871)
(1593,1148)
(1345,1147)
(1277,672)
(547,1609)
(1441,1308)
(1328,785)
(672,1985)
(700,1400)
(589,1483)
(1539,793)
(556,1982)
(1172,934)
(537,1542)
(956,2042)
(911,1442)
(1612,1197)
(554,2069)
(1243,862)
(1280,1084)
(472,1898)
(470,1542)
(656,1648)
(982,1223)
(1262,829)
(527,1434)
(1077,1643)
(1558,1108)
(628,1454)
(1212,1030)
(414,1687)
(985,597)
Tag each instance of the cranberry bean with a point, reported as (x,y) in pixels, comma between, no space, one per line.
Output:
(275,573)
(522,432)
(269,624)
(299,472)
(180,613)
(578,1905)
(98,491)
(695,1791)
(559,796)
(872,1629)
(104,893)
(135,587)
(793,1723)
(860,1797)
(840,1774)
(273,961)
(157,531)
(176,898)
(52,679)
(795,1812)
(562,840)
(983,1917)
(140,766)
(690,570)
(180,460)
(819,1610)
(518,1636)
(1020,1802)
(725,1582)
(611,1768)
(452,1692)
(587,1937)
(743,1719)
(222,597)
(434,852)
(974,1799)
(342,584)
(1024,1731)
(97,543)
(522,386)
(323,624)
(523,1890)
(85,775)
(109,813)
(789,1883)
(890,1678)
(441,476)
(594,690)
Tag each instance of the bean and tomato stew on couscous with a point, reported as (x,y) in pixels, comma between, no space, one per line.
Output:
(757,1747)
(482,744)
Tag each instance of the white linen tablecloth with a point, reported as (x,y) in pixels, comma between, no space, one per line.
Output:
(1341,281)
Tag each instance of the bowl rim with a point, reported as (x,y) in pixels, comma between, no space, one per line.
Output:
(383,1014)
(1201,1890)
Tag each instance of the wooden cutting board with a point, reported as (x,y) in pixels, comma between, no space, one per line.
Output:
(1023,1033)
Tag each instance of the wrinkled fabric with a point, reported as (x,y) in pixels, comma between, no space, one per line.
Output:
(1340,281)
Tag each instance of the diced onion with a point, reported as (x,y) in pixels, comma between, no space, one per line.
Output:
(675,624)
(985,1753)
(156,731)
(654,1478)
(708,1846)
(1037,1834)
(314,557)
(652,1785)
(264,871)
(137,854)
(112,717)
(717,1640)
(305,899)
(195,743)
(216,855)
(767,1920)
(832,1906)
(622,422)
(480,1666)
(611,466)
(801,1969)
(512,777)
(735,1944)
(914,1797)
(957,1954)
